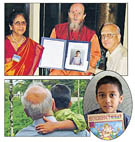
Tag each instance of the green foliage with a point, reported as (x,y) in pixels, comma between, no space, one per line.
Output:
(83,84)
(51,83)
(72,84)
(6,89)
(6,111)
(20,85)
(19,117)
(74,107)
(20,120)
(7,123)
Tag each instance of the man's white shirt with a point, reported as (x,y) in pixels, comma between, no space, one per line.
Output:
(117,60)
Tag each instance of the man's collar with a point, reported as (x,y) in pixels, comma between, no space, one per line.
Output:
(114,51)
(41,121)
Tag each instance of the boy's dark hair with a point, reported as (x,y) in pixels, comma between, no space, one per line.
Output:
(78,51)
(62,96)
(109,80)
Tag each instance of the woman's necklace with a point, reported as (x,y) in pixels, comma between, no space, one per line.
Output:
(16,43)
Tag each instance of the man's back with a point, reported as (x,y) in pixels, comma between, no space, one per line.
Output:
(30,131)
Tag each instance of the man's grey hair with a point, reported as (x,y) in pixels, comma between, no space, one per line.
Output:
(36,111)
(117,27)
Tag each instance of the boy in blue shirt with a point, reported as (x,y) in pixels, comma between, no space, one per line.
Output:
(109,95)
(76,60)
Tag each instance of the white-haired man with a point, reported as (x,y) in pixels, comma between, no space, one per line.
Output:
(38,102)
(116,53)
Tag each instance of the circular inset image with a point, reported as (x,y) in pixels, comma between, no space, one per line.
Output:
(107,105)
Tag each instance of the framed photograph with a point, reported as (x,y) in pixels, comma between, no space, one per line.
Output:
(65,54)
(78,56)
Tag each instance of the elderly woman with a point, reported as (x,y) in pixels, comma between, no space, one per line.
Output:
(22,54)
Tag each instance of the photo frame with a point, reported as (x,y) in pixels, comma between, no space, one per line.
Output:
(58,54)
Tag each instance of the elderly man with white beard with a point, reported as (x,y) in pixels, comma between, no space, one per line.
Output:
(75,29)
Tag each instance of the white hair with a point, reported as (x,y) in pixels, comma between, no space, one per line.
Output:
(117,27)
(37,111)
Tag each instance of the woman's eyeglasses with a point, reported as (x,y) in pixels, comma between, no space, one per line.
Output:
(18,23)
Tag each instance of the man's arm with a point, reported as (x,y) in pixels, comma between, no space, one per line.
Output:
(95,51)
(53,33)
(78,119)
(67,120)
(95,55)
(94,70)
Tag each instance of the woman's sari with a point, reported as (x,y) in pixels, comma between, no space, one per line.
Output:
(28,57)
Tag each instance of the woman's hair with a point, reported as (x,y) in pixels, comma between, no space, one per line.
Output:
(109,80)
(14,14)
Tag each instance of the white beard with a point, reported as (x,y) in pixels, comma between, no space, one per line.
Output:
(75,26)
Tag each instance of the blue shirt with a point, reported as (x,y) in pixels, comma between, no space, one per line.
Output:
(30,131)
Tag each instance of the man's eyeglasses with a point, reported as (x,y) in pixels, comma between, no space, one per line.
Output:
(109,36)
(20,23)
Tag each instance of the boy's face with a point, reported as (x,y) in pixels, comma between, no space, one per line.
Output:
(108,98)
(77,54)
